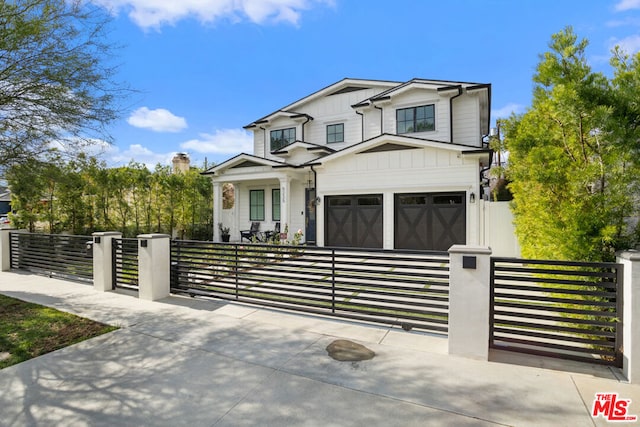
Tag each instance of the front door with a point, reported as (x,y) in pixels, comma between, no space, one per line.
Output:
(310,215)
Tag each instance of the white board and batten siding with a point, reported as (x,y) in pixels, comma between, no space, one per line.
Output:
(335,109)
(419,170)
(416,98)
(466,126)
(331,109)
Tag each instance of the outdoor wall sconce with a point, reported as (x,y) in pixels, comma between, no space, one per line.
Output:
(472,198)
(96,239)
(143,243)
(318,201)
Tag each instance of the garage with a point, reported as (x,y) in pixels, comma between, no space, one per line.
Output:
(354,221)
(429,221)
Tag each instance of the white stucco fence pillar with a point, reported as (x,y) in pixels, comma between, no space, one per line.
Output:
(469,299)
(103,259)
(631,315)
(154,265)
(5,249)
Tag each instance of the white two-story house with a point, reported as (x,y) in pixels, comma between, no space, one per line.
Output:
(367,164)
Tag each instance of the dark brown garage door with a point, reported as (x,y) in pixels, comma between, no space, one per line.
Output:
(430,221)
(354,221)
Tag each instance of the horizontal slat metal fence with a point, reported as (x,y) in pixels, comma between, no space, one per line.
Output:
(125,263)
(394,287)
(56,255)
(569,310)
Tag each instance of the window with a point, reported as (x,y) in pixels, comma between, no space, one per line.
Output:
(282,137)
(416,119)
(256,205)
(275,204)
(335,133)
(340,201)
(370,201)
(447,199)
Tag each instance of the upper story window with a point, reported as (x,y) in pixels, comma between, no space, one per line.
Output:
(335,133)
(282,137)
(415,119)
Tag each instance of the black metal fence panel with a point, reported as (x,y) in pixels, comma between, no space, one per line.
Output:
(125,263)
(56,255)
(569,310)
(407,288)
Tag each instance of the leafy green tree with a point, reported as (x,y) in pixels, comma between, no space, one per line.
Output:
(83,195)
(568,165)
(57,84)
(27,190)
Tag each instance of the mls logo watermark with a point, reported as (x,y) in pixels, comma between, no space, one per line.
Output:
(612,408)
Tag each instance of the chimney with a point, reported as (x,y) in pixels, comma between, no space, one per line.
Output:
(181,163)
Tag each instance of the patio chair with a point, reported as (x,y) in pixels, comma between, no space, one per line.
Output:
(273,234)
(253,231)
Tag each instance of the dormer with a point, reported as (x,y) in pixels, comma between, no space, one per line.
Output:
(453,112)
(322,118)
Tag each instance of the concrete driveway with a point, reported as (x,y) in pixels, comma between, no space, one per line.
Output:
(195,362)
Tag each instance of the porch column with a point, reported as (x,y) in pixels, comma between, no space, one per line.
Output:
(235,212)
(217,210)
(285,194)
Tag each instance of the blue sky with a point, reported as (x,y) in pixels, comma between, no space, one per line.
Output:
(202,69)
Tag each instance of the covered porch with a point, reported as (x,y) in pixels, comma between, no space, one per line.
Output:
(267,193)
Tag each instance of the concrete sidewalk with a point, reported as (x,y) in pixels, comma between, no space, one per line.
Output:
(194,362)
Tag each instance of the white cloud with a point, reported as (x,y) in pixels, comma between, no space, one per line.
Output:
(159,120)
(223,141)
(505,112)
(138,153)
(629,45)
(626,22)
(156,13)
(623,5)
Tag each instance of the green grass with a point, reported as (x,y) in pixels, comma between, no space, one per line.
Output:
(29,330)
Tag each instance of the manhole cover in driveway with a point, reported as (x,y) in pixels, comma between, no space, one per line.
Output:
(349,351)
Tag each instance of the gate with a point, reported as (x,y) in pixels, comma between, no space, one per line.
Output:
(406,288)
(125,263)
(568,310)
(56,255)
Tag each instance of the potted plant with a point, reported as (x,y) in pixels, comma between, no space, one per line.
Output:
(224,232)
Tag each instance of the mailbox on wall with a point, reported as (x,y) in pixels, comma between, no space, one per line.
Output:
(469,262)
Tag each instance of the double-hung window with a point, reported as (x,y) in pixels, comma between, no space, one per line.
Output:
(256,205)
(415,119)
(335,133)
(282,137)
